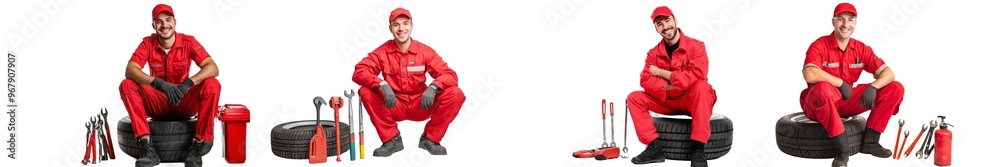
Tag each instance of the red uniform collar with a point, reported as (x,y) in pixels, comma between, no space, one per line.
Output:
(833,42)
(414,45)
(178,37)
(661,48)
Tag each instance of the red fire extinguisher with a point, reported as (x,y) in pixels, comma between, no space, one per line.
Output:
(942,144)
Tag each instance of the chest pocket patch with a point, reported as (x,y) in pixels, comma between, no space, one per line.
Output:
(858,65)
(831,65)
(415,68)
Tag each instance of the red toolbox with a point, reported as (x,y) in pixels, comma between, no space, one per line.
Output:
(234,119)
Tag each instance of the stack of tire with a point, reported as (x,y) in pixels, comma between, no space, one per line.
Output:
(291,140)
(798,136)
(676,131)
(170,138)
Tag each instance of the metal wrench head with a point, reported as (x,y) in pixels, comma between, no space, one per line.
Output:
(934,123)
(349,95)
(920,155)
(613,144)
(923,128)
(906,134)
(93,120)
(88,126)
(901,122)
(104,112)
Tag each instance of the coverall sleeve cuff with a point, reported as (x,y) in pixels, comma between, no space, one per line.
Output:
(880,68)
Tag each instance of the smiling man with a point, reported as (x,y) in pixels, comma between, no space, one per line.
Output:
(833,63)
(403,94)
(168,92)
(675,82)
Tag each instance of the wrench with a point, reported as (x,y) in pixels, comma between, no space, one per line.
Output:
(604,126)
(107,131)
(612,109)
(927,139)
(93,140)
(361,128)
(104,143)
(625,143)
(86,155)
(350,123)
(906,135)
(908,150)
(895,148)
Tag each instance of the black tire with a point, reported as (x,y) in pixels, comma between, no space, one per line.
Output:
(798,136)
(171,139)
(677,134)
(290,140)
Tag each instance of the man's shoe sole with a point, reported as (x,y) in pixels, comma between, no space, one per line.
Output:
(650,161)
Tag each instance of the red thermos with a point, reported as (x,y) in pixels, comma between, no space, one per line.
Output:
(942,145)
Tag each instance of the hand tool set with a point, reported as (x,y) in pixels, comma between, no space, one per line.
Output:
(98,140)
(941,148)
(606,151)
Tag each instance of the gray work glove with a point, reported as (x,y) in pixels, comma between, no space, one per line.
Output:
(868,98)
(174,94)
(184,86)
(845,90)
(427,100)
(390,97)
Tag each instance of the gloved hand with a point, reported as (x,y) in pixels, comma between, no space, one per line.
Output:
(390,97)
(174,94)
(868,98)
(184,86)
(427,100)
(845,90)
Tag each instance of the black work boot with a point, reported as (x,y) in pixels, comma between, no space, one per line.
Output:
(147,154)
(698,155)
(434,148)
(653,154)
(195,153)
(871,145)
(388,148)
(841,144)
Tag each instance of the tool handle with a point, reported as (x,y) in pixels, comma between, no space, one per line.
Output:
(111,146)
(93,144)
(353,148)
(603,109)
(908,150)
(895,147)
(86,155)
(612,109)
(362,145)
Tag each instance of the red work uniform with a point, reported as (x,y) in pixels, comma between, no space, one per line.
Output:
(406,72)
(822,102)
(142,101)
(686,92)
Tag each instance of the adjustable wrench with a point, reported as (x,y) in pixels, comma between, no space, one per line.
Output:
(612,109)
(927,141)
(86,155)
(896,148)
(625,144)
(604,126)
(107,131)
(103,143)
(908,150)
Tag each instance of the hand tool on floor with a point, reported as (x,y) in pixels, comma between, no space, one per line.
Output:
(927,141)
(612,109)
(625,137)
(906,134)
(361,128)
(93,140)
(908,150)
(102,141)
(604,126)
(350,122)
(895,147)
(921,153)
(107,130)
(336,103)
(604,152)
(86,155)
(317,145)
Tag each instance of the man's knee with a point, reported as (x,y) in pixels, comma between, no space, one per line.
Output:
(211,85)
(894,89)
(701,85)
(635,95)
(824,91)
(128,86)
(455,93)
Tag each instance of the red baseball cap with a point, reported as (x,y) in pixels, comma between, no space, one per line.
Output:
(661,11)
(160,8)
(398,12)
(844,7)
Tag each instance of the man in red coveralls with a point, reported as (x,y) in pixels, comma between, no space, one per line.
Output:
(167,92)
(833,63)
(674,80)
(403,94)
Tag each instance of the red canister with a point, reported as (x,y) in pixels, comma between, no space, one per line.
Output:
(234,119)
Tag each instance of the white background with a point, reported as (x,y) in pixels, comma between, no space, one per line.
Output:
(533,71)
